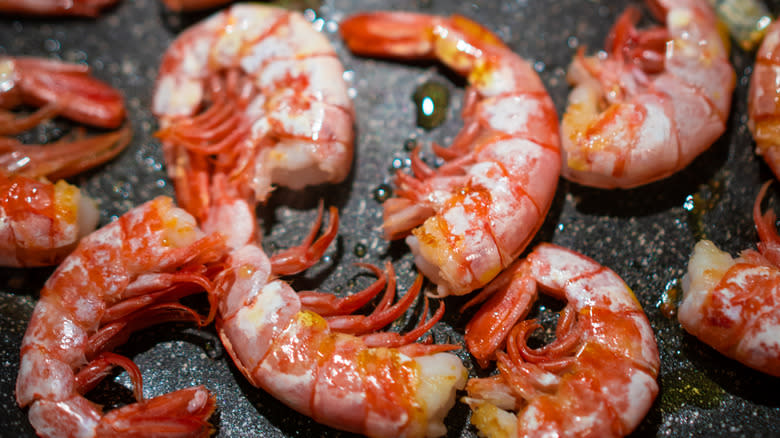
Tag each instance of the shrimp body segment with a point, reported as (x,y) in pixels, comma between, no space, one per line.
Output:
(733,304)
(597,378)
(125,276)
(658,99)
(260,88)
(471,217)
(40,222)
(764,101)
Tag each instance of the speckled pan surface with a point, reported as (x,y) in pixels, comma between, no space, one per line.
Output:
(645,234)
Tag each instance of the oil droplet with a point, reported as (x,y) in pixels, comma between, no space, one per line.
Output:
(670,298)
(397,163)
(360,250)
(410,144)
(246,271)
(689,387)
(383,192)
(699,204)
(432,99)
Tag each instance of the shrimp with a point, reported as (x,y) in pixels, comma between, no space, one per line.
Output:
(259,88)
(125,276)
(80,8)
(763,107)
(471,217)
(733,304)
(598,378)
(308,351)
(41,222)
(658,99)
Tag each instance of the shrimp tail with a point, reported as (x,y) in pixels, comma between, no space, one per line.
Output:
(63,158)
(512,294)
(407,35)
(76,95)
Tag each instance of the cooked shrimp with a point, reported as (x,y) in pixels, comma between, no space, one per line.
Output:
(83,8)
(471,217)
(259,88)
(598,378)
(308,351)
(124,276)
(659,98)
(764,97)
(733,305)
(41,222)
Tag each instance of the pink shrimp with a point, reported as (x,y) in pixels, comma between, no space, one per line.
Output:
(733,305)
(124,276)
(259,88)
(308,351)
(598,378)
(82,8)
(658,99)
(41,222)
(471,217)
(763,99)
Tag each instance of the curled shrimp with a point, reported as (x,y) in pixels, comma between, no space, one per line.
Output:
(125,276)
(763,106)
(261,90)
(653,103)
(733,304)
(598,378)
(471,217)
(81,8)
(307,349)
(40,221)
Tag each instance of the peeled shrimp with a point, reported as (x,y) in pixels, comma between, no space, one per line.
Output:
(658,99)
(733,304)
(124,276)
(41,222)
(474,215)
(259,88)
(598,378)
(763,97)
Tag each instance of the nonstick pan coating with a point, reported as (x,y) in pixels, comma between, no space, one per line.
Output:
(646,234)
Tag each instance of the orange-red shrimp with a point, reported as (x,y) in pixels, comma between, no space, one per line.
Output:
(471,217)
(764,99)
(124,276)
(733,305)
(82,8)
(259,88)
(308,351)
(41,222)
(597,379)
(656,100)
